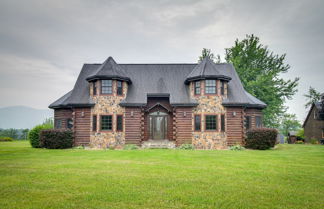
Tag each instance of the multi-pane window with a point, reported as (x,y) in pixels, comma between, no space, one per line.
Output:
(94,88)
(211,122)
(106,122)
(197,123)
(69,123)
(94,123)
(210,87)
(247,122)
(106,86)
(223,123)
(258,121)
(222,88)
(119,123)
(197,88)
(58,123)
(119,88)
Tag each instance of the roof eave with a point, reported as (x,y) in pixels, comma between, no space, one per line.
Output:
(259,106)
(114,77)
(204,77)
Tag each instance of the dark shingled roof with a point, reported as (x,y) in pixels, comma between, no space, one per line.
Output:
(158,80)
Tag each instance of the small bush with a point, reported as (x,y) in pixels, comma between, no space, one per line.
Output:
(33,134)
(56,139)
(299,142)
(261,138)
(186,146)
(313,141)
(5,139)
(237,148)
(130,147)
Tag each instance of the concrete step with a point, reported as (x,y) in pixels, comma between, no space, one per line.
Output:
(158,144)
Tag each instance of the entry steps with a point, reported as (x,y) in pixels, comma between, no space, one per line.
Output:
(158,144)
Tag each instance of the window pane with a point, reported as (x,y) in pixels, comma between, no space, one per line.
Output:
(94,123)
(211,122)
(94,88)
(119,88)
(222,122)
(197,122)
(258,122)
(58,123)
(197,87)
(222,87)
(210,86)
(69,123)
(106,122)
(119,122)
(106,86)
(247,122)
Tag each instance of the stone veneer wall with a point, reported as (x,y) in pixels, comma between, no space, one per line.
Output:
(208,104)
(107,105)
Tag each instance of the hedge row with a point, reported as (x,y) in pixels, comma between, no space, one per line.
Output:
(261,138)
(56,139)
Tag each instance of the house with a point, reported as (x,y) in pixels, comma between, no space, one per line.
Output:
(114,104)
(314,122)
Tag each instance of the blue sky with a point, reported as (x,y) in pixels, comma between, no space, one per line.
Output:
(45,43)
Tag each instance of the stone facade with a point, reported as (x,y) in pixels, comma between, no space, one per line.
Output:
(107,105)
(208,105)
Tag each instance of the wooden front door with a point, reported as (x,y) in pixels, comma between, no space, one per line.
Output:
(158,126)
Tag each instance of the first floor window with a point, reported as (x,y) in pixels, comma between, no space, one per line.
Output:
(258,121)
(210,87)
(58,123)
(211,122)
(247,122)
(119,123)
(106,123)
(197,88)
(94,123)
(223,123)
(69,123)
(119,88)
(106,87)
(197,123)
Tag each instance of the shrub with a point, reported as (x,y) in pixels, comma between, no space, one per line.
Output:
(299,142)
(313,141)
(186,146)
(261,138)
(130,147)
(33,134)
(237,147)
(56,139)
(5,139)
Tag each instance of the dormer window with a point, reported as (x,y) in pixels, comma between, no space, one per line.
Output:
(222,88)
(94,88)
(210,87)
(197,87)
(119,88)
(106,87)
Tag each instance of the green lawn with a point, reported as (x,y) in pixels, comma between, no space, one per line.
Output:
(290,176)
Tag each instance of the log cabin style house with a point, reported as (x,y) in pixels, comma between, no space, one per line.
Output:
(201,104)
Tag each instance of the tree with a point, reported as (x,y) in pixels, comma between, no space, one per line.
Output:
(312,96)
(49,121)
(288,123)
(206,53)
(259,70)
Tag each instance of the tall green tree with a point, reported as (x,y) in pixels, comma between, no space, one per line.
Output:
(312,96)
(259,70)
(288,123)
(206,53)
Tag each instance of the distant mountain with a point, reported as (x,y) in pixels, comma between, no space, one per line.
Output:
(22,116)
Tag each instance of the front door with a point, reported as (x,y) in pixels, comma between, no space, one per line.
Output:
(158,125)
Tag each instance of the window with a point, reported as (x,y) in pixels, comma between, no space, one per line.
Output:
(69,123)
(211,122)
(210,87)
(223,123)
(106,123)
(58,123)
(94,123)
(94,87)
(222,88)
(197,88)
(119,88)
(258,121)
(247,122)
(106,86)
(119,123)
(197,123)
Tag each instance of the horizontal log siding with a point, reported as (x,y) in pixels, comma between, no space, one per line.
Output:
(183,125)
(133,129)
(62,114)
(82,126)
(234,126)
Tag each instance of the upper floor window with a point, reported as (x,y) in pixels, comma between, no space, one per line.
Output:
(222,88)
(119,88)
(106,122)
(106,87)
(211,122)
(94,88)
(210,87)
(197,123)
(258,121)
(197,88)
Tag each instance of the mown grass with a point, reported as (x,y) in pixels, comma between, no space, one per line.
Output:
(290,176)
